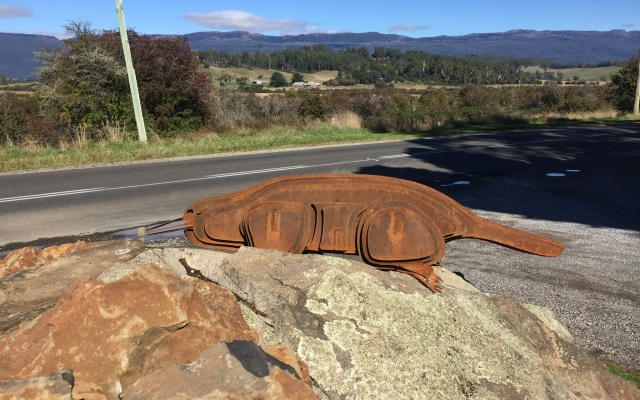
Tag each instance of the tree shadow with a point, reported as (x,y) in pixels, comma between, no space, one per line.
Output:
(597,179)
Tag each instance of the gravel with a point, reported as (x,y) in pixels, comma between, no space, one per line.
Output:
(591,287)
(594,286)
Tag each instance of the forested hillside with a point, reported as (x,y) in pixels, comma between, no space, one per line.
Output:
(17,53)
(385,66)
(565,47)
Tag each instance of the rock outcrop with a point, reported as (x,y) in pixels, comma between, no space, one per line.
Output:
(195,323)
(36,283)
(371,334)
(32,257)
(57,386)
(239,369)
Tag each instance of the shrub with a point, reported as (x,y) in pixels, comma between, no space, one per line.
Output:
(623,87)
(575,101)
(551,97)
(16,115)
(47,132)
(312,107)
(85,84)
(475,96)
(439,99)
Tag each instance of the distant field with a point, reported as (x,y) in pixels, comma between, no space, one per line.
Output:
(264,75)
(587,74)
(18,88)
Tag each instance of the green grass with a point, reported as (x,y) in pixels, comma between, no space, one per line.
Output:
(632,377)
(108,152)
(587,74)
(528,123)
(264,75)
(19,158)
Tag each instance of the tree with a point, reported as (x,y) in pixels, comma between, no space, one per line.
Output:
(624,85)
(242,81)
(224,78)
(85,84)
(277,80)
(297,77)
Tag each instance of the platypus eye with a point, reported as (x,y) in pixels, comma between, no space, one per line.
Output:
(189,217)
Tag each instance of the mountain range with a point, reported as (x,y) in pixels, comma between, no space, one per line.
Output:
(568,47)
(17,53)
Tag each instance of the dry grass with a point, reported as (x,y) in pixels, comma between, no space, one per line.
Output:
(346,119)
(115,133)
(25,89)
(602,114)
(264,75)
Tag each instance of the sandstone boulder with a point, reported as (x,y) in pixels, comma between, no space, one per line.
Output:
(133,330)
(369,334)
(36,286)
(238,369)
(113,333)
(31,257)
(57,386)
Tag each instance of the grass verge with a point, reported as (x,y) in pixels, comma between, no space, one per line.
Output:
(549,121)
(109,152)
(20,158)
(624,374)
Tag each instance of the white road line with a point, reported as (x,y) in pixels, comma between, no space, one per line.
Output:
(225,175)
(257,171)
(393,156)
(288,168)
(53,194)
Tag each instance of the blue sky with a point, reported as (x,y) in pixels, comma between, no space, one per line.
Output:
(410,18)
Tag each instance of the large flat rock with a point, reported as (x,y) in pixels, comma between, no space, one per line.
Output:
(370,334)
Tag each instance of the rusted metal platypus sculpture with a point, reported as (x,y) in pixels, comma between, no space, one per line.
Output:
(392,224)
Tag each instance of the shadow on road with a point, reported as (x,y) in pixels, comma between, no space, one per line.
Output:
(597,180)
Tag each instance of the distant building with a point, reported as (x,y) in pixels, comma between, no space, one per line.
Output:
(305,84)
(256,82)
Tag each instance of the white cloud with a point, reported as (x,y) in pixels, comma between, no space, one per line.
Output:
(14,12)
(243,21)
(407,28)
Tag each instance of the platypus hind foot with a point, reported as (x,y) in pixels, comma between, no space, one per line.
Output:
(425,274)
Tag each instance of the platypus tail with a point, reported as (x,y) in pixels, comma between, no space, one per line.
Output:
(515,239)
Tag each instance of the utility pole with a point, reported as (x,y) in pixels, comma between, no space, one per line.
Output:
(636,103)
(133,83)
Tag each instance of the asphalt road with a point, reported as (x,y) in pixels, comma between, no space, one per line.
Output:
(99,199)
(590,203)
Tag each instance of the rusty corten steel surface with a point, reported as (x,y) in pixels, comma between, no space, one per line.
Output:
(390,223)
